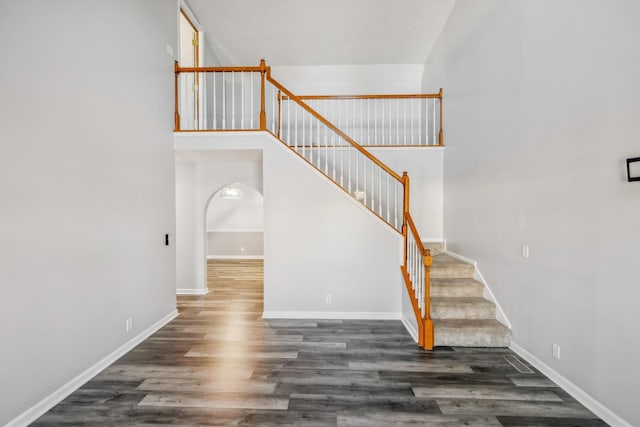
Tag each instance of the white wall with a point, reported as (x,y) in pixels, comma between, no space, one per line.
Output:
(85,130)
(350,79)
(542,100)
(318,241)
(198,176)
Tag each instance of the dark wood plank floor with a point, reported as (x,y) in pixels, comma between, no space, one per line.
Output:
(220,364)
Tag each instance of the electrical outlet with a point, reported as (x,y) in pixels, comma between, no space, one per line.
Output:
(328,299)
(241,248)
(169,50)
(556,351)
(129,324)
(524,251)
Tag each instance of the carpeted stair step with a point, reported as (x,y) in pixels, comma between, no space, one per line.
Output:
(454,287)
(471,333)
(447,266)
(462,308)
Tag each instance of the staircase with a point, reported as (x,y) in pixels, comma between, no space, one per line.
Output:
(462,317)
(448,303)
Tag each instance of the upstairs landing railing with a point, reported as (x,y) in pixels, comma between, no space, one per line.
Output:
(383,120)
(250,99)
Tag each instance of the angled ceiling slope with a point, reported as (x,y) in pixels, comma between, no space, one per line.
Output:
(322,32)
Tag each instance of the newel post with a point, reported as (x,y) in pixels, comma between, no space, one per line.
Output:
(440,134)
(263,114)
(428,323)
(176,117)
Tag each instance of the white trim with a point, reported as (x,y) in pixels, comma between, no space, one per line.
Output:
(235,256)
(409,326)
(40,408)
(433,240)
(237,230)
(186,291)
(345,315)
(576,392)
(488,293)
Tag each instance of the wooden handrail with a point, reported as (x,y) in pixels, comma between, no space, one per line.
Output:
(327,123)
(216,69)
(382,96)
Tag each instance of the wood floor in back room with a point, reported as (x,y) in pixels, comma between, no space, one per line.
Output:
(219,363)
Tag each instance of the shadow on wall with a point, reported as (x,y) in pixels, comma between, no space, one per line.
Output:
(234,223)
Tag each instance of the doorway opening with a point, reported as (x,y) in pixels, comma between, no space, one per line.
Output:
(234,245)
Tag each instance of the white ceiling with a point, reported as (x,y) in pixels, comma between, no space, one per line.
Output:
(322,32)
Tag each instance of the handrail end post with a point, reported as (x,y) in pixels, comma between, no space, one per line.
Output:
(427,329)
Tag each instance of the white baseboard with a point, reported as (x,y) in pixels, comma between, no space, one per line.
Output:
(576,392)
(235,256)
(40,408)
(184,291)
(345,315)
(410,328)
(488,294)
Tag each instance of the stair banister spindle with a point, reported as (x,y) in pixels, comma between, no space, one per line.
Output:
(241,99)
(263,112)
(296,127)
(433,116)
(233,101)
(279,115)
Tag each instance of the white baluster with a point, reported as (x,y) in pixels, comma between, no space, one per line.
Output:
(395,203)
(373,188)
(251,113)
(349,164)
(388,200)
(369,121)
(380,191)
(375,122)
(333,143)
(412,125)
(233,101)
(295,126)
(357,172)
(241,99)
(382,104)
(433,114)
(397,121)
(215,118)
(224,102)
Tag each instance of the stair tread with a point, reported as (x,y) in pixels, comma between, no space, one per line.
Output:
(460,300)
(456,287)
(452,281)
(444,259)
